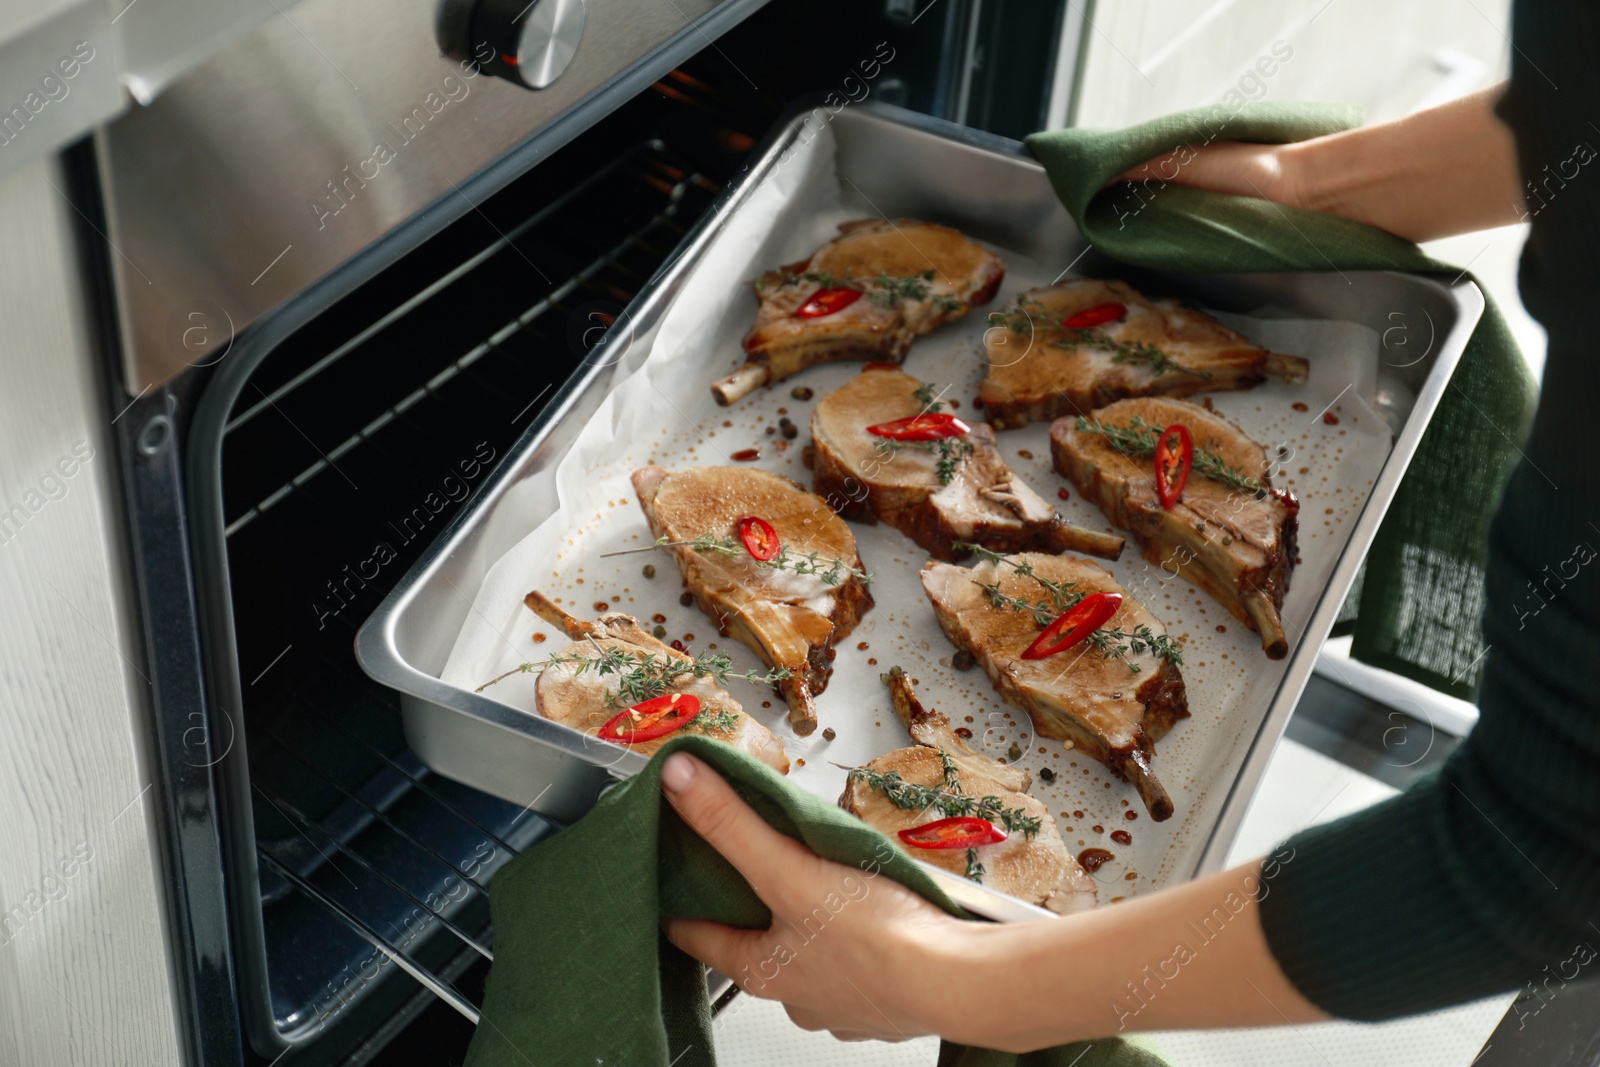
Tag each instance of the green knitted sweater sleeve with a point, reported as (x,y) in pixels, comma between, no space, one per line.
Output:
(1486,878)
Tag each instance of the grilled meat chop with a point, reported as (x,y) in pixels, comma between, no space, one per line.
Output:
(790,610)
(935,492)
(910,276)
(1040,368)
(586,700)
(1100,703)
(1236,541)
(1038,869)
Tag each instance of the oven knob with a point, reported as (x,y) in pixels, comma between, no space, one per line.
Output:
(529,42)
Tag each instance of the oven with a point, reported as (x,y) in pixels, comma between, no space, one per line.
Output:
(340,269)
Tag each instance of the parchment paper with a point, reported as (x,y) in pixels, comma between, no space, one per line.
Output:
(663,413)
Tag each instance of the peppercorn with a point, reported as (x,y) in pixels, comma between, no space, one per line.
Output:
(963,660)
(801,392)
(829,734)
(1014,752)
(649,570)
(686,599)
(788,428)
(659,631)
(1047,774)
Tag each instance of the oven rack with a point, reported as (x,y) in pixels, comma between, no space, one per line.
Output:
(402,861)
(416,776)
(656,238)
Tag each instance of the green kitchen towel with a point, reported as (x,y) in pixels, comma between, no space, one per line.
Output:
(1420,600)
(582,975)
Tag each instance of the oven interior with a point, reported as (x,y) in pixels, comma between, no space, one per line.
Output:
(351,447)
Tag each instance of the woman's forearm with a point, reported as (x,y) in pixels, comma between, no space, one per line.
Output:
(864,957)
(1447,170)
(1190,956)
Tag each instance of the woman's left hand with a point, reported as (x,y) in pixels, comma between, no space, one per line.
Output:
(848,951)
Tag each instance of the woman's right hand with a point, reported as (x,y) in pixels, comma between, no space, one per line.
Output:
(848,951)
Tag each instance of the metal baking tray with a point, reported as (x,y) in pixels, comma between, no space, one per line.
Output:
(902,164)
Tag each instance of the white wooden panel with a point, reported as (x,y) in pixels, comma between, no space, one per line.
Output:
(1149,57)
(84,974)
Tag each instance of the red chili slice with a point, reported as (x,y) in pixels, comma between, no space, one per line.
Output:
(651,719)
(1075,624)
(1174,457)
(1095,316)
(826,302)
(929,426)
(962,831)
(759,538)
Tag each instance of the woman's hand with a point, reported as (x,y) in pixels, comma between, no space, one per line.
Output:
(858,954)
(848,951)
(1267,171)
(1447,170)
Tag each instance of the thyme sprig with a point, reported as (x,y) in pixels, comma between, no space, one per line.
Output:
(952,451)
(1022,317)
(947,766)
(1139,439)
(1117,644)
(975,869)
(1064,596)
(928,398)
(909,796)
(889,291)
(1112,643)
(722,721)
(885,290)
(642,676)
(1043,614)
(829,570)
